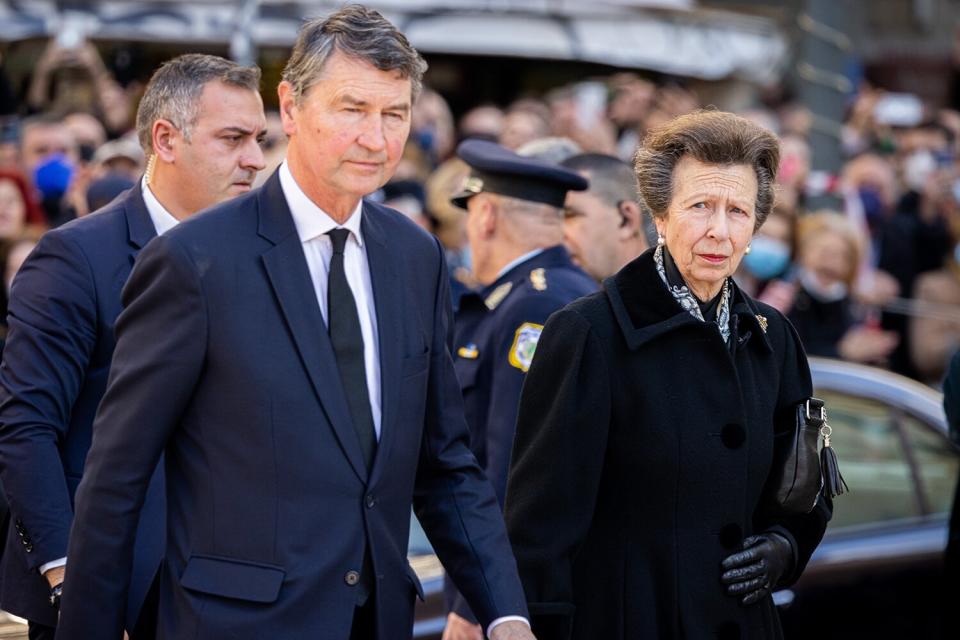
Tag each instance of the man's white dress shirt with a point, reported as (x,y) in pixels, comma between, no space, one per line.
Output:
(312,225)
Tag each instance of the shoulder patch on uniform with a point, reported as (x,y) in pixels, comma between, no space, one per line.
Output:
(468,352)
(538,278)
(497,295)
(524,345)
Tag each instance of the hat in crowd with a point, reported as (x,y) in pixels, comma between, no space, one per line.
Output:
(401,188)
(119,148)
(104,189)
(496,169)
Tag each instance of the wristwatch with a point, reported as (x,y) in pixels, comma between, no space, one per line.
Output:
(55,594)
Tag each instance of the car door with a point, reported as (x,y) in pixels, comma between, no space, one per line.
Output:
(877,572)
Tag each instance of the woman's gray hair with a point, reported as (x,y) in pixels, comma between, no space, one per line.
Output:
(712,137)
(357,32)
(174,91)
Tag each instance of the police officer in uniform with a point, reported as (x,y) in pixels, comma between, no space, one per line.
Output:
(515,230)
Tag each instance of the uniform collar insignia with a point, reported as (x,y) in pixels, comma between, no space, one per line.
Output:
(497,295)
(473,184)
(538,278)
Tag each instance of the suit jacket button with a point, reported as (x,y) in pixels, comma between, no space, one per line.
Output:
(28,547)
(733,436)
(352,578)
(370,501)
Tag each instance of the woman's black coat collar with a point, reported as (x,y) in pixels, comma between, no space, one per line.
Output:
(645,309)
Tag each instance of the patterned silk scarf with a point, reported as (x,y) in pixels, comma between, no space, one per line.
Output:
(689,302)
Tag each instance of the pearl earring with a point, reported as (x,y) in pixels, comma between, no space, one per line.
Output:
(748,249)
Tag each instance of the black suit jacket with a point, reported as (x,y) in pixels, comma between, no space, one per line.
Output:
(223,361)
(63,306)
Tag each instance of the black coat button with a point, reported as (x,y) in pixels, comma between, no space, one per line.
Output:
(731,535)
(28,547)
(733,436)
(370,501)
(352,578)
(728,631)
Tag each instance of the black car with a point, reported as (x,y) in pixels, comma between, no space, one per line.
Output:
(877,572)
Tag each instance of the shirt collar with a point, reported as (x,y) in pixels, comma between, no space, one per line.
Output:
(310,220)
(510,265)
(162,219)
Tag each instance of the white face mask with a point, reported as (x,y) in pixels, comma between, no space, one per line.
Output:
(823,293)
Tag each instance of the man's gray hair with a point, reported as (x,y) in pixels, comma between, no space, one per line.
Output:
(611,179)
(357,32)
(526,207)
(173,92)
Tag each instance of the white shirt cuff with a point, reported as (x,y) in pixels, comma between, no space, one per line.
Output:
(506,619)
(62,562)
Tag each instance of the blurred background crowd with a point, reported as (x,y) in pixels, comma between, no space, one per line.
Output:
(862,251)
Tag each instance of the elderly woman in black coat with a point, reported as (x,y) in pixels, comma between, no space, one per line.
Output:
(638,498)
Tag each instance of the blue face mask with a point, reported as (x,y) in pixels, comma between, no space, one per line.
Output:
(52,176)
(768,257)
(873,209)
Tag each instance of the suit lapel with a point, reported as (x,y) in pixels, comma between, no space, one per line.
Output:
(387,296)
(140,229)
(288,274)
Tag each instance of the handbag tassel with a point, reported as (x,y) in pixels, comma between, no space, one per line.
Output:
(833,482)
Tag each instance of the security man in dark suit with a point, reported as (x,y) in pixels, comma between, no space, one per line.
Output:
(515,230)
(199,121)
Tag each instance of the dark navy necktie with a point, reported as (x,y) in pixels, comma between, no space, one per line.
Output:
(343,324)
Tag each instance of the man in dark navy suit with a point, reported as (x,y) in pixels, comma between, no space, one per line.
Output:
(288,353)
(199,122)
(515,229)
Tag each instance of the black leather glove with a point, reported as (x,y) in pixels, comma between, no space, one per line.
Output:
(754,571)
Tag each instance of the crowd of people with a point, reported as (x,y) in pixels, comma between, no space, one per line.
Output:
(873,280)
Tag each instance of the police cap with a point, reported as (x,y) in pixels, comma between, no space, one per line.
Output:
(496,169)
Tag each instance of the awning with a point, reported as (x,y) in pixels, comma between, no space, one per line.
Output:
(670,36)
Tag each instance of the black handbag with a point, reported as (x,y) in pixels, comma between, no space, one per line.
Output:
(807,471)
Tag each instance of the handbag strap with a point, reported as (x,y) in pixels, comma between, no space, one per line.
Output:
(814,412)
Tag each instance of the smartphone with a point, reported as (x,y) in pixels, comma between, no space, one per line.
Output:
(70,35)
(591,99)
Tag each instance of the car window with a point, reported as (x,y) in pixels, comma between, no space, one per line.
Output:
(937,465)
(872,459)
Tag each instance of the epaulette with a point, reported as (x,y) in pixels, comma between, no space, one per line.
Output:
(538,278)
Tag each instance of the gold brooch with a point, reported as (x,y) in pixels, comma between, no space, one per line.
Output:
(763,322)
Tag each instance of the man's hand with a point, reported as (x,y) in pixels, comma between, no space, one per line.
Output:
(512,630)
(55,576)
(459,628)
